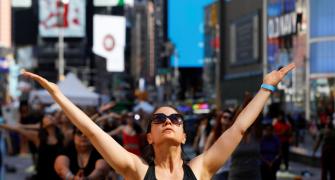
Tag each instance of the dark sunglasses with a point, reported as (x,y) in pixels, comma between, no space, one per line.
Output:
(160,118)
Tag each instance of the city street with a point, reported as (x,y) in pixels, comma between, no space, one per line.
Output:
(249,83)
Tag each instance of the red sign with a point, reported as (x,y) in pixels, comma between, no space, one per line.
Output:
(109,42)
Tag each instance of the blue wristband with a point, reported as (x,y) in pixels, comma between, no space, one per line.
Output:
(268,87)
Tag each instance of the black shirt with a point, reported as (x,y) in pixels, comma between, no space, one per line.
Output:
(71,153)
(188,173)
(47,154)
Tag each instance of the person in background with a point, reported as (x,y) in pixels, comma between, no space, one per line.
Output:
(245,161)
(270,153)
(80,160)
(165,135)
(132,134)
(283,130)
(327,139)
(223,121)
(49,142)
(203,131)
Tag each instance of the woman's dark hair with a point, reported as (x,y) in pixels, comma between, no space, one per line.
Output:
(148,153)
(136,126)
(138,129)
(43,134)
(218,125)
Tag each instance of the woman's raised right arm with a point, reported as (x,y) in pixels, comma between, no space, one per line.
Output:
(31,135)
(119,158)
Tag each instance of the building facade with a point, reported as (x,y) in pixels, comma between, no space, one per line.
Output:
(240,55)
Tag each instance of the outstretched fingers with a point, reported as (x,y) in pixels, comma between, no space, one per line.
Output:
(43,82)
(287,69)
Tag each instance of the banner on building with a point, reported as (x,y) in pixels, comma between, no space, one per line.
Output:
(103,3)
(21,4)
(115,62)
(109,39)
(54,15)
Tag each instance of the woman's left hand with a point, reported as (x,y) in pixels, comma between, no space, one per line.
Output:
(275,77)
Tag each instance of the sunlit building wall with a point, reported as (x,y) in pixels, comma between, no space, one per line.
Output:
(5,23)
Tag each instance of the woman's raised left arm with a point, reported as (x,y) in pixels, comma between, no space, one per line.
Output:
(229,140)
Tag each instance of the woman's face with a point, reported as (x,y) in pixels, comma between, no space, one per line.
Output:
(168,130)
(63,119)
(81,141)
(130,118)
(48,121)
(225,119)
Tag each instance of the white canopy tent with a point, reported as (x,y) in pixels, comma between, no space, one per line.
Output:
(73,89)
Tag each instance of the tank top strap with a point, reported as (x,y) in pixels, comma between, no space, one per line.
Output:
(188,173)
(150,175)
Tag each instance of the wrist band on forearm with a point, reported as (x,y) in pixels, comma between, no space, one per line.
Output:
(268,87)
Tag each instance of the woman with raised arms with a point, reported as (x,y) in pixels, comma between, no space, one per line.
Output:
(165,135)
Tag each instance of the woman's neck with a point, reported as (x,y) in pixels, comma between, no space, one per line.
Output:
(167,156)
(83,150)
(83,157)
(51,131)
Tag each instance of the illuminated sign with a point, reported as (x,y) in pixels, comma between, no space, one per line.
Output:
(201,108)
(186,31)
(282,25)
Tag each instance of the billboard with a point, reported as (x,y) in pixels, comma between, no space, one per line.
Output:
(283,20)
(109,40)
(244,37)
(53,15)
(186,31)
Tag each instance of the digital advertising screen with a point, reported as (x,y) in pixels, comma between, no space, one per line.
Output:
(186,32)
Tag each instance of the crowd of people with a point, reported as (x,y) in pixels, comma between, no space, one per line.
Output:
(67,145)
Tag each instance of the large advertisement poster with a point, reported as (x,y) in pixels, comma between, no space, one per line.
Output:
(109,40)
(282,28)
(55,14)
(244,37)
(186,31)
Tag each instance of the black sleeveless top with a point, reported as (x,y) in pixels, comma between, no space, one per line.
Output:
(188,173)
(47,154)
(71,153)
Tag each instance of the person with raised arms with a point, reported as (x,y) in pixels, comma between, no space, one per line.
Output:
(165,135)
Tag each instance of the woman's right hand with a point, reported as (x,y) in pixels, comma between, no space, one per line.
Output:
(49,86)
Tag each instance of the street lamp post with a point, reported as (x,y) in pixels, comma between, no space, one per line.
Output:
(61,60)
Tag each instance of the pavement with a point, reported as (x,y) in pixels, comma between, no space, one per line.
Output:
(299,171)
(22,165)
